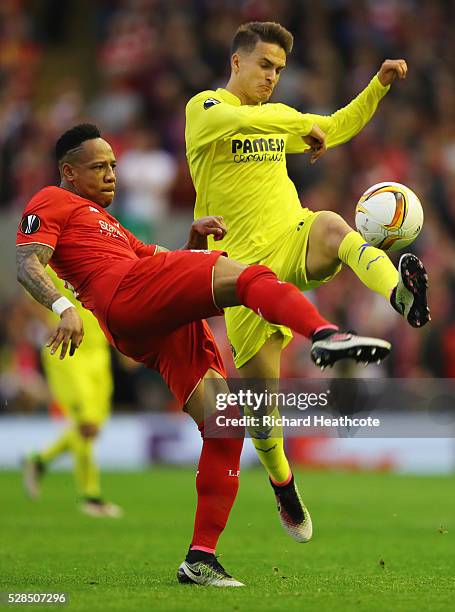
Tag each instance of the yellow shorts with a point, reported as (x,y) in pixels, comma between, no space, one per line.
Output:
(246,331)
(82,385)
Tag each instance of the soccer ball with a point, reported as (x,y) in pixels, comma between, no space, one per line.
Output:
(389,216)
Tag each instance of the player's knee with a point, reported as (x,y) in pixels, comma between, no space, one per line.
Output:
(227,271)
(332,230)
(88,430)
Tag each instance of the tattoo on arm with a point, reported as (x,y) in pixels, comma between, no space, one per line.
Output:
(31,259)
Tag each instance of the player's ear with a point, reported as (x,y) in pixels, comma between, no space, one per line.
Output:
(235,63)
(67,171)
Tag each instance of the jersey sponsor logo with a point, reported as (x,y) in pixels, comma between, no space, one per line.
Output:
(257,150)
(257,157)
(93,209)
(30,224)
(210,102)
(258,145)
(111,230)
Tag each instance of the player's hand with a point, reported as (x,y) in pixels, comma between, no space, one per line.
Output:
(392,69)
(69,332)
(316,141)
(203,227)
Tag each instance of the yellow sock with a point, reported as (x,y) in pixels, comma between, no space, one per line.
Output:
(60,446)
(269,445)
(86,469)
(371,265)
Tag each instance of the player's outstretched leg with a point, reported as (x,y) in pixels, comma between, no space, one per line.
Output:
(217,483)
(406,288)
(258,288)
(331,240)
(409,297)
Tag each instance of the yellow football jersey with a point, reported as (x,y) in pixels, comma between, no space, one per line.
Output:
(237,159)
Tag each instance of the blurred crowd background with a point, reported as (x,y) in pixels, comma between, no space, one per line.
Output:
(131,65)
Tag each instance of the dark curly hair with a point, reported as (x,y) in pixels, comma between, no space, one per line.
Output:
(73,138)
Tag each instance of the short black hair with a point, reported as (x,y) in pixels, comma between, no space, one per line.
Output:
(74,137)
(249,34)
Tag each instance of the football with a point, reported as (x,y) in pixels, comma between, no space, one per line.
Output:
(389,216)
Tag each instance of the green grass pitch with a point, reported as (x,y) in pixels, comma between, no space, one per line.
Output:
(381,542)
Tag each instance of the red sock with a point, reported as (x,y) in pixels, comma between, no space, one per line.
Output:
(217,483)
(281,303)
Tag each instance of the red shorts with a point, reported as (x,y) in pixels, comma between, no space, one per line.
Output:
(156,317)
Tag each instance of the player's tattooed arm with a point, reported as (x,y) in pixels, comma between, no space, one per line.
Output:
(31,259)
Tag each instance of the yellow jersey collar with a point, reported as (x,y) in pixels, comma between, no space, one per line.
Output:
(228,97)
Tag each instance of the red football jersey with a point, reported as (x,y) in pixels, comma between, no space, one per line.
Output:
(92,251)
